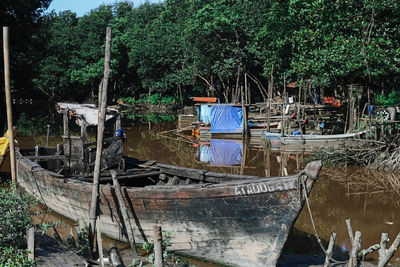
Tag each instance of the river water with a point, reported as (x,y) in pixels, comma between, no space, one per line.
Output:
(370,199)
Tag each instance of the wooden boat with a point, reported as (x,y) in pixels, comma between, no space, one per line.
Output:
(315,139)
(231,219)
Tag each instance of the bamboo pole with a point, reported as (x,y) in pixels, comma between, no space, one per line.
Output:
(124,212)
(8,101)
(100,133)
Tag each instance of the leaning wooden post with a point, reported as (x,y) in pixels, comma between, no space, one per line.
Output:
(386,254)
(100,132)
(158,253)
(8,101)
(124,212)
(329,251)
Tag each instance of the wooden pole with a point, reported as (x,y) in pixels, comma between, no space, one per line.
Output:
(355,247)
(124,212)
(99,242)
(270,87)
(329,251)
(8,102)
(244,113)
(100,132)
(158,253)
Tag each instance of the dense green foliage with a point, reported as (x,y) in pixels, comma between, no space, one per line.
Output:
(14,222)
(205,47)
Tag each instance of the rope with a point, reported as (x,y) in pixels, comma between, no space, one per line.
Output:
(311,216)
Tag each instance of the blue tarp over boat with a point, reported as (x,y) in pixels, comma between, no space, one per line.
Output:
(204,113)
(226,119)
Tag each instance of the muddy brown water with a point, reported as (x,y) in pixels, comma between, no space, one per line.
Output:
(370,199)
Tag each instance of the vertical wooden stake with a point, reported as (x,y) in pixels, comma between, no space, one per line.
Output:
(355,247)
(99,242)
(100,132)
(8,102)
(124,212)
(350,231)
(158,253)
(329,251)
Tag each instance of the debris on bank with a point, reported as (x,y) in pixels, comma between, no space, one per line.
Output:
(379,155)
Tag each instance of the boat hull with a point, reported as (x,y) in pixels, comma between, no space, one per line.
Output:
(244,223)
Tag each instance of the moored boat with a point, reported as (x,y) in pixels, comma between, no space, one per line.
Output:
(317,139)
(231,219)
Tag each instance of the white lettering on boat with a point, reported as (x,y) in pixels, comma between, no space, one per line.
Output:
(259,188)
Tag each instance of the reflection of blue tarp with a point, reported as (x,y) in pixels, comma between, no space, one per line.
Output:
(204,113)
(204,153)
(225,153)
(226,119)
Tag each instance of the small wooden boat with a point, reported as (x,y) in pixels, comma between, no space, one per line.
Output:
(231,219)
(316,139)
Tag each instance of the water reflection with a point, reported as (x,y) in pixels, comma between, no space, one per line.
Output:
(220,152)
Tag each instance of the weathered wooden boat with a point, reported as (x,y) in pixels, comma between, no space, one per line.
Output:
(231,219)
(316,139)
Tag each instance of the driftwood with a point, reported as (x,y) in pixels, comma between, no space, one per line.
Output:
(386,254)
(368,153)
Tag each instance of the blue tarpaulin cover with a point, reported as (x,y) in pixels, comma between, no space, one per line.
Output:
(226,119)
(225,153)
(205,113)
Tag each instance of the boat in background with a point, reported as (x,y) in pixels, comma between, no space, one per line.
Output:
(318,139)
(238,220)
